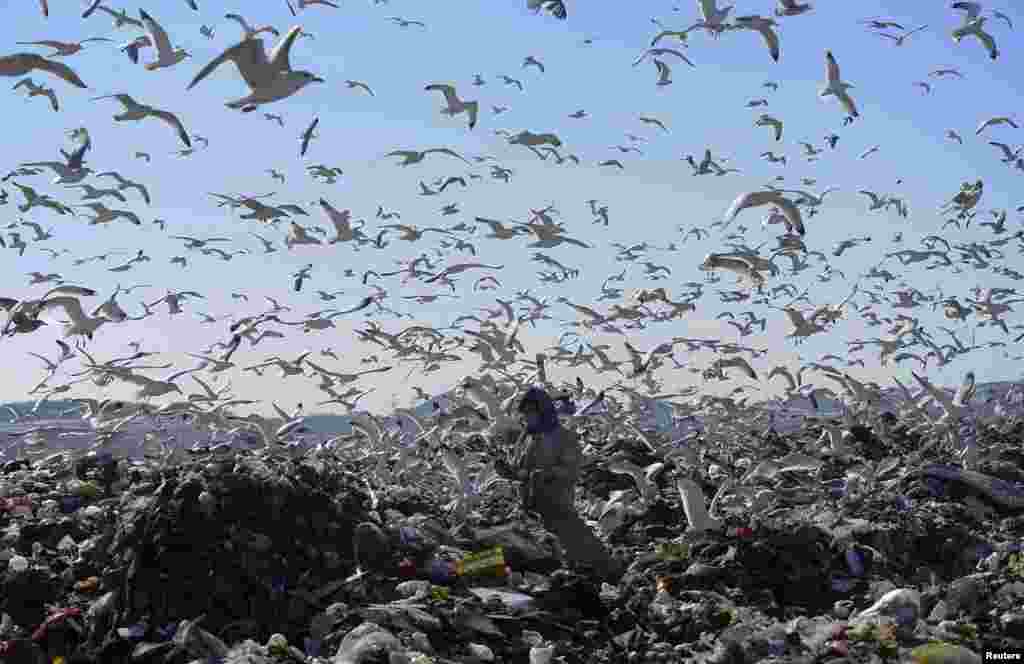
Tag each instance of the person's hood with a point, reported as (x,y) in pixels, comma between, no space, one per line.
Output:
(547,419)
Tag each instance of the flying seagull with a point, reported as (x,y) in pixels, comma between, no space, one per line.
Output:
(767,197)
(270,77)
(136,111)
(454,104)
(21,64)
(764,26)
(838,88)
(308,135)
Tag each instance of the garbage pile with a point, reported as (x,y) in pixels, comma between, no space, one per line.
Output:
(763,550)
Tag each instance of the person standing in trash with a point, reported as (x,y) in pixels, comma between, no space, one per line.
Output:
(548,470)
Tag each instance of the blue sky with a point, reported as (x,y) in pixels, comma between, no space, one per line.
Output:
(704,107)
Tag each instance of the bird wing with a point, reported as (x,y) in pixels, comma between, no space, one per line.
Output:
(669,51)
(831,68)
(1005,148)
(340,219)
(156,34)
(987,40)
(172,119)
(772,41)
(973,9)
(447,151)
(447,90)
(847,101)
(279,57)
(58,69)
(241,21)
(71,306)
(248,52)
(126,101)
(707,9)
(751,199)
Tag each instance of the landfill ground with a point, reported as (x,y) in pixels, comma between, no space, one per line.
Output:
(880,553)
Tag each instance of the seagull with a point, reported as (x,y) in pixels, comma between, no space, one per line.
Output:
(870,151)
(124,183)
(270,78)
(121,18)
(166,55)
(21,64)
(136,111)
(975,29)
(992,122)
(308,135)
(302,4)
(342,225)
(410,157)
(791,8)
(298,235)
(655,52)
(404,23)
(881,24)
(105,215)
(454,104)
(149,387)
(769,197)
(80,324)
(249,32)
(555,7)
(654,121)
(530,60)
(837,87)
(34,199)
(63,49)
(898,39)
(65,175)
(359,84)
(769,121)
(38,91)
(763,26)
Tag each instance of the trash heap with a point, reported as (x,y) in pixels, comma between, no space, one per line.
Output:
(289,556)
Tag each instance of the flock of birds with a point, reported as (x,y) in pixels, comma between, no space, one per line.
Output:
(450,262)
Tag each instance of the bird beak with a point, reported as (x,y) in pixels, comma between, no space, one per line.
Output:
(317,79)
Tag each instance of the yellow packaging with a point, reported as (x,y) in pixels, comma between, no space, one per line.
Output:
(488,561)
(678,551)
(439,593)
